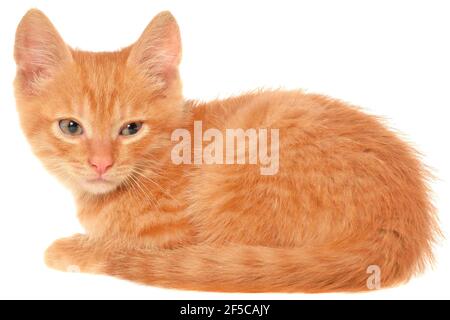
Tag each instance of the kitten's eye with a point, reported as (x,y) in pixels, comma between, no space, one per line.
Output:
(131,129)
(70,127)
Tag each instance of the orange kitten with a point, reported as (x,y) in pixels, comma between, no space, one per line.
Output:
(317,197)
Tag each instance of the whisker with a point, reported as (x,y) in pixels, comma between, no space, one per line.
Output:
(151,198)
(164,191)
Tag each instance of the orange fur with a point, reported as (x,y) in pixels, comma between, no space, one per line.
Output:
(349,193)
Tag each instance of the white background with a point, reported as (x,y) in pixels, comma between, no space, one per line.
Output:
(390,57)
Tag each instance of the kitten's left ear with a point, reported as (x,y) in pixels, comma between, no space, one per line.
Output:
(157,53)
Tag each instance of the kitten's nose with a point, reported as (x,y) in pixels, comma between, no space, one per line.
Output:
(101,164)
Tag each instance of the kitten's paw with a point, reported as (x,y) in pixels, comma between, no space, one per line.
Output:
(68,254)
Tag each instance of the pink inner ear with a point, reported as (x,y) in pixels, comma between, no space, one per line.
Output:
(32,58)
(160,55)
(33,66)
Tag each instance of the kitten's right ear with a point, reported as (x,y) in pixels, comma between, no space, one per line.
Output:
(39,51)
(157,53)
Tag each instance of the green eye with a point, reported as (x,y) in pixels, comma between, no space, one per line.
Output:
(70,127)
(131,128)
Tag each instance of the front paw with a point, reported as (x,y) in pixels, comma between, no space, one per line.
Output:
(68,254)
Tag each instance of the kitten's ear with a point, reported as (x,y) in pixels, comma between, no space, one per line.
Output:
(157,53)
(39,51)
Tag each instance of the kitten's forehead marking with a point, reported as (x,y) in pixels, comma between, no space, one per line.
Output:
(101,111)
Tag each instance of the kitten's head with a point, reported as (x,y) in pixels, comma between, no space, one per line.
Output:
(97,119)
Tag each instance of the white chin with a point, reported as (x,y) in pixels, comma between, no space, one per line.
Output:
(99,187)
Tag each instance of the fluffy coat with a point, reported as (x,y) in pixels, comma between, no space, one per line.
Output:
(349,193)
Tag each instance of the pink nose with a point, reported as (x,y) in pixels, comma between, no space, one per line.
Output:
(101,164)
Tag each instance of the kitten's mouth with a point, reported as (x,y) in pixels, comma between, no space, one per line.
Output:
(99,180)
(99,185)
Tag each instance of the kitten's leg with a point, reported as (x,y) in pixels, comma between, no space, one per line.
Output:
(77,253)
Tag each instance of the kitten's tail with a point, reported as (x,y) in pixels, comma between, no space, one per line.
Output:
(348,266)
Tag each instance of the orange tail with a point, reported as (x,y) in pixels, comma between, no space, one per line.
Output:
(349,266)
